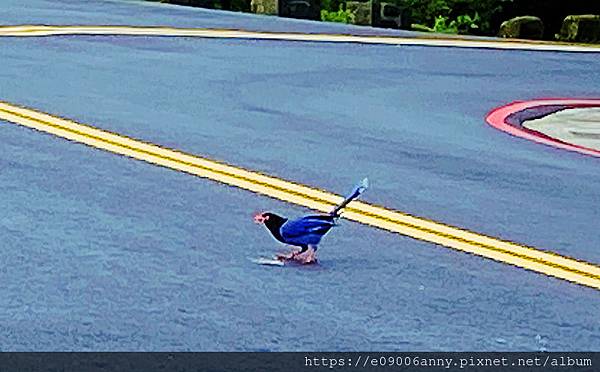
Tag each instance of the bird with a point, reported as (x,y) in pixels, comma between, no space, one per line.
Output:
(306,232)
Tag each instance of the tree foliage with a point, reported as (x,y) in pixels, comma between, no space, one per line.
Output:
(462,16)
(341,16)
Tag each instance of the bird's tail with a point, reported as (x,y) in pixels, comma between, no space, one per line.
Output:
(356,192)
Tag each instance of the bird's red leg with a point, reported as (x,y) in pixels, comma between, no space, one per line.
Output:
(310,256)
(289,256)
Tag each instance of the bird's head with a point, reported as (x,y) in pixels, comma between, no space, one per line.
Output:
(272,222)
(269,219)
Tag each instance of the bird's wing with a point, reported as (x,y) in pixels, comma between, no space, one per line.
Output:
(309,225)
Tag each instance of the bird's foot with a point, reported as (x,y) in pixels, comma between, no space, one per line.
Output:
(284,256)
(306,258)
(307,261)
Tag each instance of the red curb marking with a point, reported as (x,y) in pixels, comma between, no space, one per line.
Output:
(497,119)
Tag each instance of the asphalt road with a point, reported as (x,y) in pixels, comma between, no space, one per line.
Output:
(102,252)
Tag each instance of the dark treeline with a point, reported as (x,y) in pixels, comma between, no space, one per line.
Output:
(491,13)
(478,17)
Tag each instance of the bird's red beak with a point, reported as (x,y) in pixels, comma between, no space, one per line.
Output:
(259,218)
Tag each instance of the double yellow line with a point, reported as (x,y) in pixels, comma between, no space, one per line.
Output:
(511,253)
(547,263)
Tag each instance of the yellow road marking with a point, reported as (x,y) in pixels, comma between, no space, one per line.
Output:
(43,30)
(548,263)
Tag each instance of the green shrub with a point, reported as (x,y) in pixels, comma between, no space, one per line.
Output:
(428,12)
(341,16)
(441,25)
(463,24)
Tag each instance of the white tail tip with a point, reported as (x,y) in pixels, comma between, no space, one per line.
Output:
(365,183)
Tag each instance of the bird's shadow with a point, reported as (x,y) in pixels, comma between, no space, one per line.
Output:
(320,265)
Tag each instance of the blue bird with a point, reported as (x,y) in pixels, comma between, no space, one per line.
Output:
(306,232)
